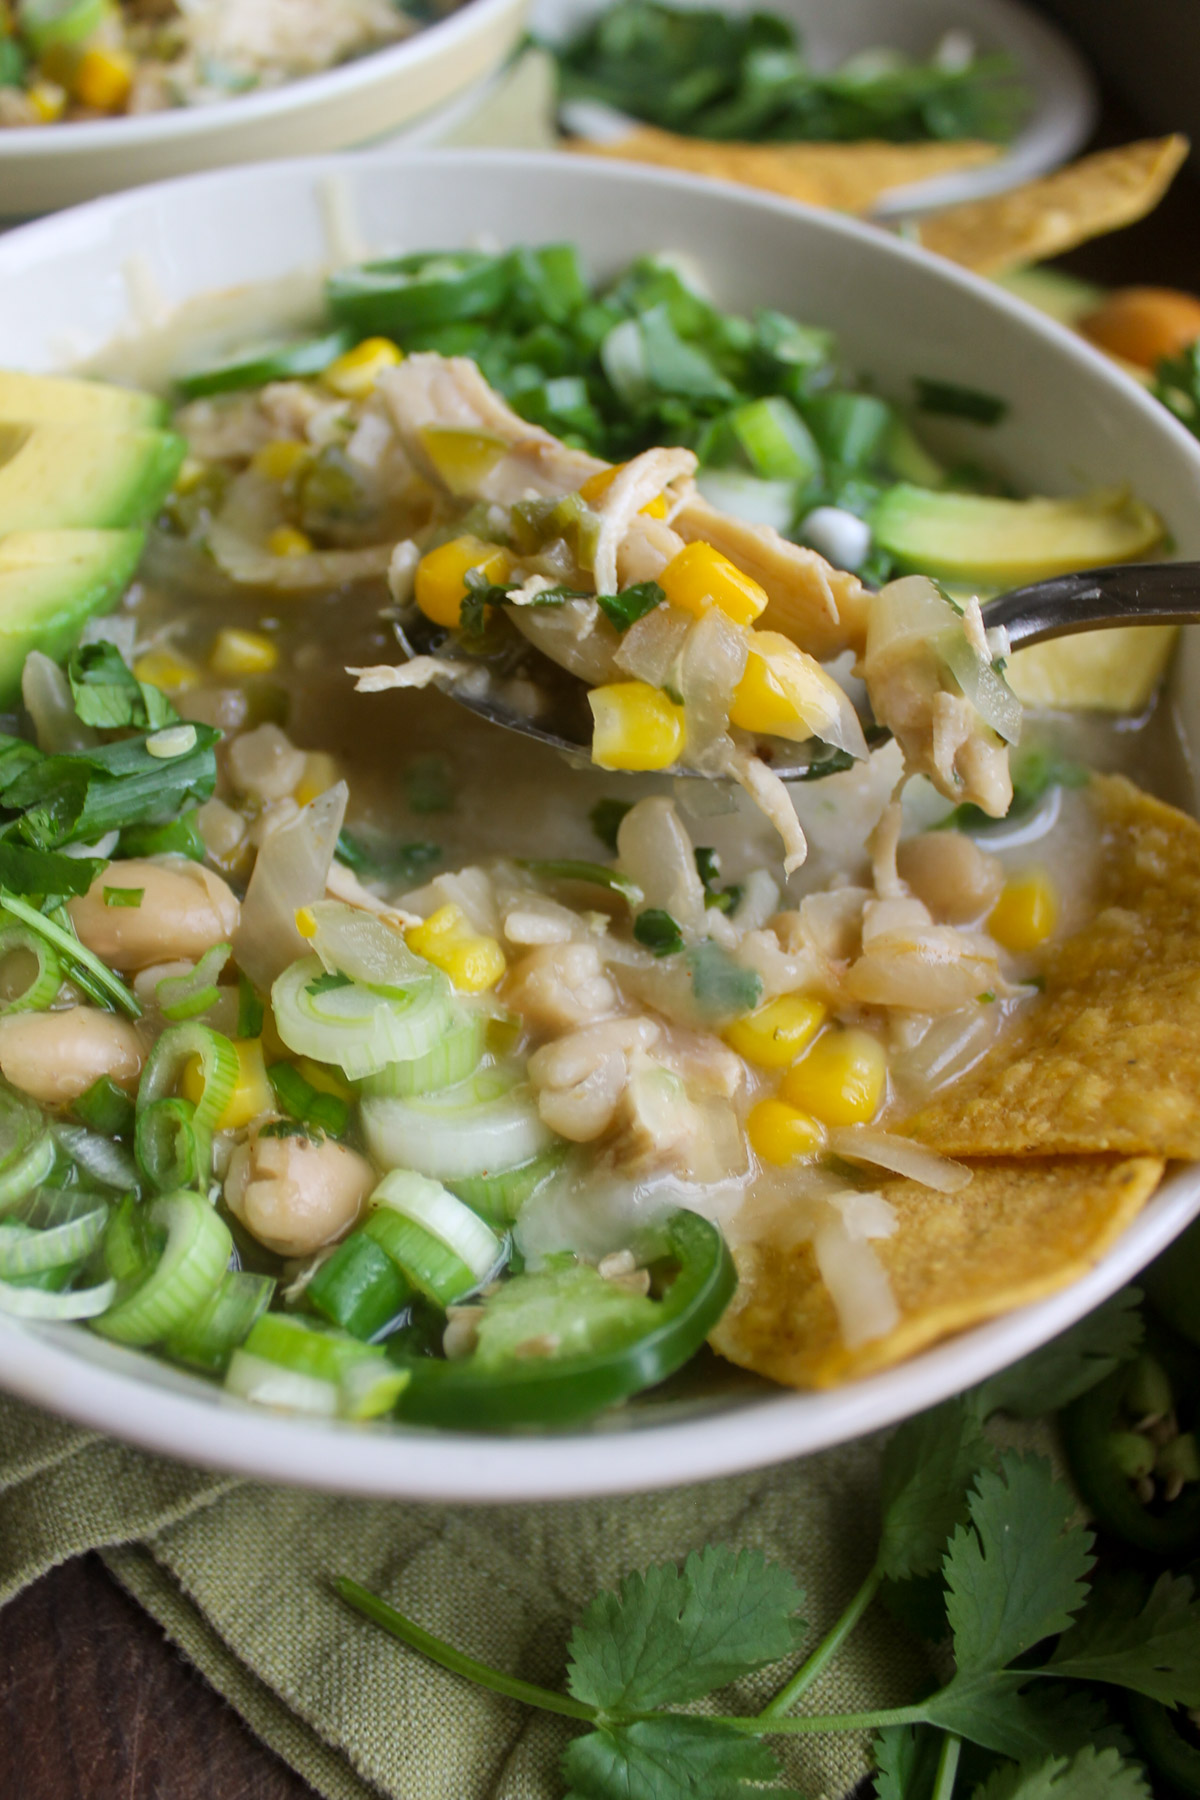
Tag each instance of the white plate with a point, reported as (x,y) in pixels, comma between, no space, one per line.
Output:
(71,283)
(1063,93)
(47,166)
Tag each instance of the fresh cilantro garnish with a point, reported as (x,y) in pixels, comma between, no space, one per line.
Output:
(678,1758)
(1089,1775)
(1066,1367)
(708,867)
(1034,773)
(567,868)
(387,862)
(1129,1638)
(658,931)
(928,1467)
(956,402)
(631,604)
(1177,385)
(178,837)
(606,818)
(109,696)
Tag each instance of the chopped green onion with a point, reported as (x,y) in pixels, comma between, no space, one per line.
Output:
(183,997)
(658,931)
(353,1027)
(173,1142)
(305,1367)
(176,740)
(606,817)
(359,1287)
(563,868)
(100,1158)
(444,1248)
(27,1152)
(193,1260)
(209,1337)
(47,975)
(631,604)
(124,896)
(99,982)
(498,1196)
(324,1112)
(36,1303)
(105,1108)
(452,1059)
(721,988)
(775,440)
(488,1122)
(954,401)
(250,1010)
(26,1252)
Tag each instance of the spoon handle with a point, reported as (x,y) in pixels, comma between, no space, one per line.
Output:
(1124,594)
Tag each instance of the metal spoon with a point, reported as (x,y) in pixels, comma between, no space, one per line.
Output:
(1090,600)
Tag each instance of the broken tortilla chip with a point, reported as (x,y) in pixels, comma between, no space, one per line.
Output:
(1047,217)
(1019,1231)
(1107,1058)
(842,177)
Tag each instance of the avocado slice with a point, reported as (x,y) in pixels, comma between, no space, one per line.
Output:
(50,583)
(1004,543)
(61,400)
(1062,297)
(66,476)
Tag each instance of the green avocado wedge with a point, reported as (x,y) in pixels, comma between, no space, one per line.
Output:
(68,476)
(50,583)
(1000,543)
(62,400)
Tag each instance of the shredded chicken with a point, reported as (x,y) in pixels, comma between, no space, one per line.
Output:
(580,1078)
(559,987)
(635,485)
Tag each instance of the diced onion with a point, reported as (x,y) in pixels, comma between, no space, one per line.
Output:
(857,1281)
(887,1150)
(352,942)
(290,872)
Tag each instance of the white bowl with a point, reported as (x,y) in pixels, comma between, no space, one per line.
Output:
(1063,98)
(47,166)
(71,283)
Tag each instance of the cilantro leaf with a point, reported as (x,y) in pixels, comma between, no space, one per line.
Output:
(906,1760)
(109,696)
(928,1467)
(658,931)
(631,604)
(1017,1715)
(670,1759)
(1050,1378)
(671,1635)
(606,818)
(1017,1571)
(1090,1775)
(25,871)
(1150,1643)
(328,983)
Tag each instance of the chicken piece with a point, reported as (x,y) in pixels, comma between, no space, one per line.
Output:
(560,987)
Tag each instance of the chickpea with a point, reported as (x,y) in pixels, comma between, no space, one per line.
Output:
(955,878)
(295,1194)
(265,763)
(56,1056)
(185,909)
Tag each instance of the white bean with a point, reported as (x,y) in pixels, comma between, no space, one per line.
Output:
(295,1194)
(184,910)
(56,1056)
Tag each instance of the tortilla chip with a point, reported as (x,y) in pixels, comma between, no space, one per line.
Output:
(1018,1232)
(1108,1057)
(1046,217)
(843,177)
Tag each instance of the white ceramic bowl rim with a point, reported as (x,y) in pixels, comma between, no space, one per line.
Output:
(430,42)
(182,1417)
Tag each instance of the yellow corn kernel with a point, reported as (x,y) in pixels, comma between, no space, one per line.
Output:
(48,100)
(306,921)
(285,540)
(473,962)
(779,1133)
(326,1081)
(462,458)
(191,473)
(841,1080)
(320,773)
(700,577)
(252,1093)
(783,691)
(775,1035)
(597,485)
(103,78)
(441,583)
(237,652)
(354,375)
(165,669)
(280,458)
(636,726)
(1025,914)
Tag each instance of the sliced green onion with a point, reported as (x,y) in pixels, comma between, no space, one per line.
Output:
(453,1058)
(37,1303)
(775,440)
(849,428)
(46,978)
(170,1147)
(301,1100)
(982,684)
(192,1263)
(98,1156)
(250,1010)
(353,1027)
(499,1197)
(275,362)
(352,942)
(306,1367)
(441,1216)
(359,1287)
(106,1108)
(208,1339)
(29,1169)
(182,997)
(27,1252)
(98,981)
(170,1056)
(488,1122)
(267,1383)
(131,1246)
(563,868)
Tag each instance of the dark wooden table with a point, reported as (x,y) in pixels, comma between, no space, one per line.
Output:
(94,1703)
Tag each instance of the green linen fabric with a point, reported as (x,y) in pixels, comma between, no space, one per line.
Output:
(238,1574)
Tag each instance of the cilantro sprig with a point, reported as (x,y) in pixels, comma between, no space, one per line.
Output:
(1036,1644)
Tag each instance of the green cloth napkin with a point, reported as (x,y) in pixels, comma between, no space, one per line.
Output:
(238,1575)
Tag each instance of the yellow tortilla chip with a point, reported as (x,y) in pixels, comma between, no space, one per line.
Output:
(1108,1057)
(1019,1231)
(843,177)
(1047,217)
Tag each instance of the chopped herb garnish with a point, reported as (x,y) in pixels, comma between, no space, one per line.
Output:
(631,604)
(606,818)
(985,999)
(953,401)
(427,785)
(250,1010)
(289,1128)
(178,837)
(87,971)
(124,896)
(722,988)
(109,696)
(1177,385)
(658,931)
(708,867)
(387,862)
(563,868)
(42,872)
(328,983)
